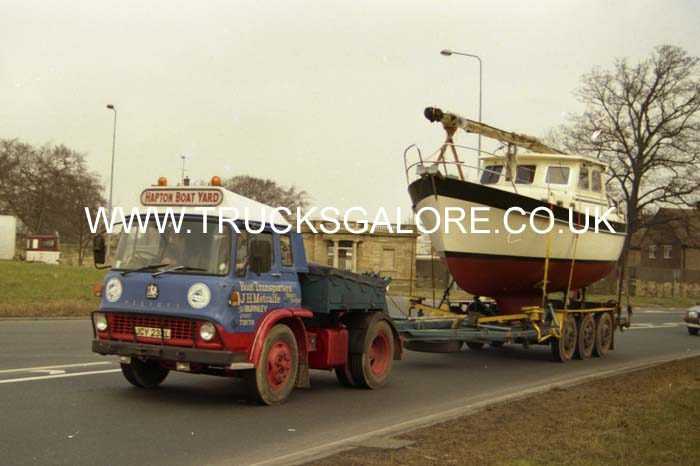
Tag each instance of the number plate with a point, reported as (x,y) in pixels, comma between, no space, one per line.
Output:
(151,332)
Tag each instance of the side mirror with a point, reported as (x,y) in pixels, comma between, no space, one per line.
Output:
(99,249)
(260,256)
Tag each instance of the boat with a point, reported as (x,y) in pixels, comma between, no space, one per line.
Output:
(535,202)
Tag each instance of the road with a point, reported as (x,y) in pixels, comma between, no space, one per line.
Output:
(63,405)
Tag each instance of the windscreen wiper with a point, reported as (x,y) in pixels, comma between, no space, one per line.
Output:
(145,267)
(179,267)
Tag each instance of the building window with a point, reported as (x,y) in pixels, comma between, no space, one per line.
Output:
(344,254)
(652,251)
(667,251)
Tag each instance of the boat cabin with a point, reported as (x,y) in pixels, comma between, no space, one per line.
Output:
(563,180)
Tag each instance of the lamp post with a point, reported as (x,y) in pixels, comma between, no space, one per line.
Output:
(182,178)
(447,53)
(111,178)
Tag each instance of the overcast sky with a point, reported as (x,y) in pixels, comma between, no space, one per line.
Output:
(324,95)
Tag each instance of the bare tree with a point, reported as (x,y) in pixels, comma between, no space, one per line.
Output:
(47,189)
(644,120)
(268,192)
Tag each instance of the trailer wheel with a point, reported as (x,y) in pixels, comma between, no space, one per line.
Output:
(475,345)
(497,344)
(693,330)
(563,348)
(272,381)
(603,334)
(372,368)
(586,337)
(144,374)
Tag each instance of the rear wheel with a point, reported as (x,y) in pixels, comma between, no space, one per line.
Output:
(564,347)
(693,330)
(272,381)
(586,337)
(497,344)
(144,374)
(372,368)
(603,334)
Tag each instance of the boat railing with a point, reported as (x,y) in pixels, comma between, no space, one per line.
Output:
(414,168)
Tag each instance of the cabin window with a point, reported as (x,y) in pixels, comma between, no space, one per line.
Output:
(557,175)
(286,251)
(667,251)
(583,178)
(48,244)
(491,174)
(652,251)
(525,174)
(596,184)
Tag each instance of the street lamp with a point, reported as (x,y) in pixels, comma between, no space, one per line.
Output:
(182,178)
(447,53)
(111,178)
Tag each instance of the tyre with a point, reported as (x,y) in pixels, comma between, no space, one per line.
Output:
(372,368)
(564,347)
(344,376)
(144,374)
(497,344)
(586,336)
(603,335)
(272,381)
(693,330)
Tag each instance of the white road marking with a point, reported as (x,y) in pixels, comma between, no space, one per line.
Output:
(664,325)
(58,376)
(41,368)
(50,371)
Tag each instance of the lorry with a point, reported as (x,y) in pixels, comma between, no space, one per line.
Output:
(217,295)
(211,297)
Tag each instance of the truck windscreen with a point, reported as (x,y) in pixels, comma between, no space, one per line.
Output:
(191,249)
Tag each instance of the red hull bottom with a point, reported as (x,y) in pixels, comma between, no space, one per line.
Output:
(515,283)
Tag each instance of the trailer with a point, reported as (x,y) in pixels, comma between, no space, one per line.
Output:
(572,328)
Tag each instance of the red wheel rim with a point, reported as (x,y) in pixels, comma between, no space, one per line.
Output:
(379,354)
(279,365)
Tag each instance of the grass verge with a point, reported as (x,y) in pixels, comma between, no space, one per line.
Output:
(31,289)
(648,417)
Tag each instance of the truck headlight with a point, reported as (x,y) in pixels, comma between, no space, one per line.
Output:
(100,321)
(693,314)
(207,331)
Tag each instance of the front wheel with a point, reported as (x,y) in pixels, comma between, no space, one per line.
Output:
(272,381)
(693,330)
(144,374)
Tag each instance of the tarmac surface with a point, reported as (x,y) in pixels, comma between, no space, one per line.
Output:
(63,405)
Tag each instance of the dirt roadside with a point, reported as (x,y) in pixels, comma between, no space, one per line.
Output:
(646,417)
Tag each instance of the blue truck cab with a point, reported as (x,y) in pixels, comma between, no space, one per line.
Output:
(207,281)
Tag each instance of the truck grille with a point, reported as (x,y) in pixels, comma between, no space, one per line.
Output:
(122,328)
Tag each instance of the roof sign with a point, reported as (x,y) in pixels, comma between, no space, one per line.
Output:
(182,197)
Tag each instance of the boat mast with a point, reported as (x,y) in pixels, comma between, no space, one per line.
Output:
(451,122)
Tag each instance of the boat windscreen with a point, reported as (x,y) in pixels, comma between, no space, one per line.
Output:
(491,174)
(525,174)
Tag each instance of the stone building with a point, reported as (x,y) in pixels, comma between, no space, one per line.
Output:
(385,252)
